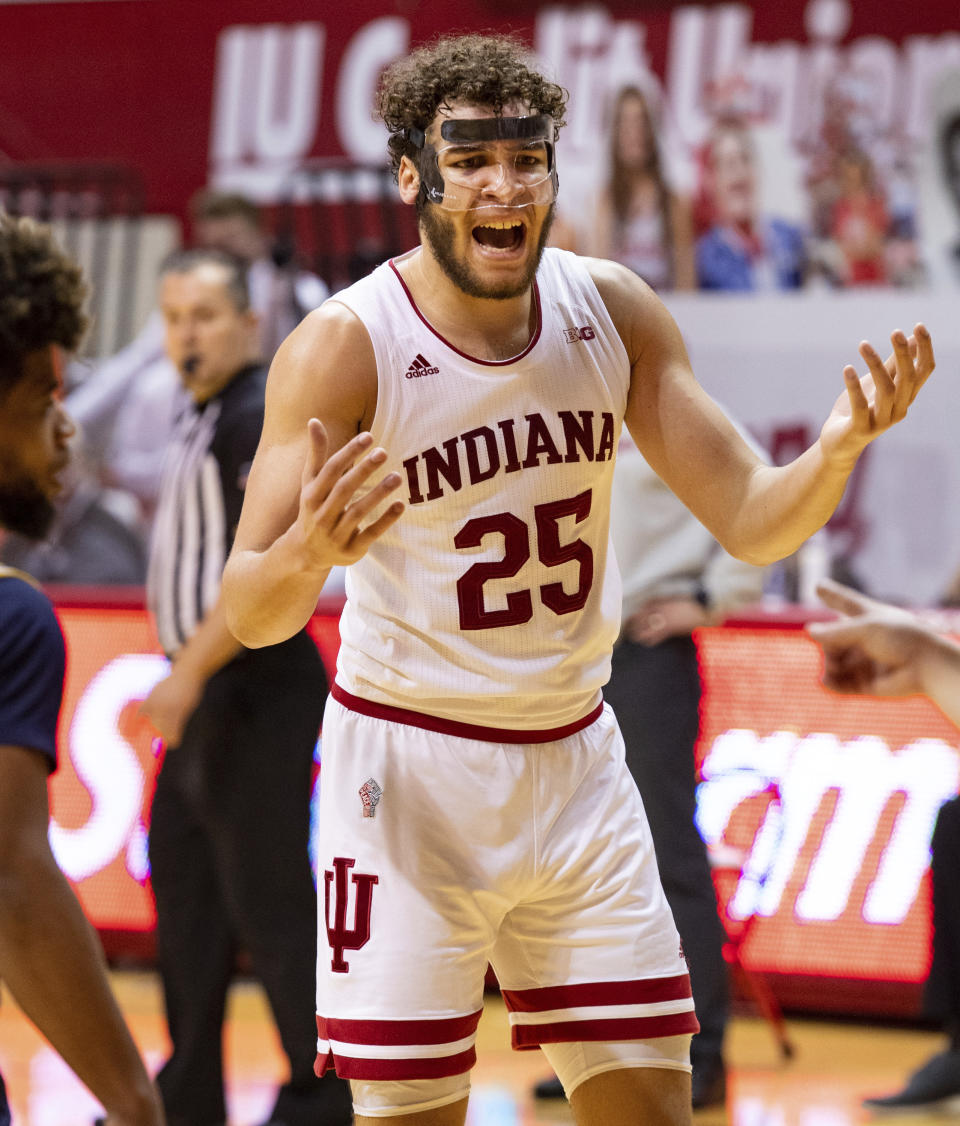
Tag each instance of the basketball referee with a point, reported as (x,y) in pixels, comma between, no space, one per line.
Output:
(230,818)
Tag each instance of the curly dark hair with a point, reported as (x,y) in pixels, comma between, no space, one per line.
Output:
(41,295)
(486,70)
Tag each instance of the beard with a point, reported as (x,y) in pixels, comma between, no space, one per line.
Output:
(439,233)
(24,508)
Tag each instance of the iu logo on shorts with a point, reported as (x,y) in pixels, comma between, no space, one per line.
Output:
(339,935)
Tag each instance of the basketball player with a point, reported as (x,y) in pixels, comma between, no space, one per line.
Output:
(49,955)
(476,805)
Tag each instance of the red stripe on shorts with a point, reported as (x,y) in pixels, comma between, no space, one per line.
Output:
(432,1067)
(323,1063)
(526,1036)
(455,727)
(445,1030)
(647,992)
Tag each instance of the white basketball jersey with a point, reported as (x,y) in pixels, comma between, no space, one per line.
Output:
(495,599)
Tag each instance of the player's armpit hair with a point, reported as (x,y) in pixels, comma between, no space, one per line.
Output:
(486,70)
(41,295)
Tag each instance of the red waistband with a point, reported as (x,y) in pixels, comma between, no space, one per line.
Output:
(455,727)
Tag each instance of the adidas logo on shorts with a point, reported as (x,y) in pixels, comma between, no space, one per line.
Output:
(421,367)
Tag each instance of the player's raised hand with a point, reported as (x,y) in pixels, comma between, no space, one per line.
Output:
(872,403)
(336,498)
(872,648)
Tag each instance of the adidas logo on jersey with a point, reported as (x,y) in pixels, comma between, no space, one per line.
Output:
(420,367)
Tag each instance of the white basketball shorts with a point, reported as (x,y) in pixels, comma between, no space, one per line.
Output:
(439,853)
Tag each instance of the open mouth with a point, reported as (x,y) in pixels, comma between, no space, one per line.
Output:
(502,234)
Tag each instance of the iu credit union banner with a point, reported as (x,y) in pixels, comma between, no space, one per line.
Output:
(229,93)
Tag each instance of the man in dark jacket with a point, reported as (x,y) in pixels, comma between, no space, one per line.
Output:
(230,820)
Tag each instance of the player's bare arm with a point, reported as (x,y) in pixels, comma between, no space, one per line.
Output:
(759,513)
(307,507)
(48,951)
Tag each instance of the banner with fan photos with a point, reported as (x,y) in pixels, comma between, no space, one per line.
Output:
(850,111)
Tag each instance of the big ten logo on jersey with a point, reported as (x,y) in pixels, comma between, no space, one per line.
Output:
(269,92)
(586,332)
(339,894)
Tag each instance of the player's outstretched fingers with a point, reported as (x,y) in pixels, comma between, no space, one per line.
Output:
(316,451)
(365,537)
(883,382)
(317,493)
(859,405)
(924,361)
(343,489)
(843,599)
(836,636)
(348,525)
(904,374)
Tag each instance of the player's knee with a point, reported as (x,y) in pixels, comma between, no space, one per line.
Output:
(389,1099)
(576,1063)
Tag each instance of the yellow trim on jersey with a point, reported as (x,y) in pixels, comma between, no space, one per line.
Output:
(12,573)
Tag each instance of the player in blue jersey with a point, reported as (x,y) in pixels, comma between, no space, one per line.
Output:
(50,958)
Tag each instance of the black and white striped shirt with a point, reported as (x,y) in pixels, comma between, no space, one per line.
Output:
(201,494)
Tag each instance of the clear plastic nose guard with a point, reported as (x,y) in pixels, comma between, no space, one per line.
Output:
(486,155)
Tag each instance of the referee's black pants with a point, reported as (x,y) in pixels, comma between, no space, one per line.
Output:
(942,990)
(655,694)
(230,869)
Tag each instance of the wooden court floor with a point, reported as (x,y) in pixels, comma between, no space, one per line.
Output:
(836,1064)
